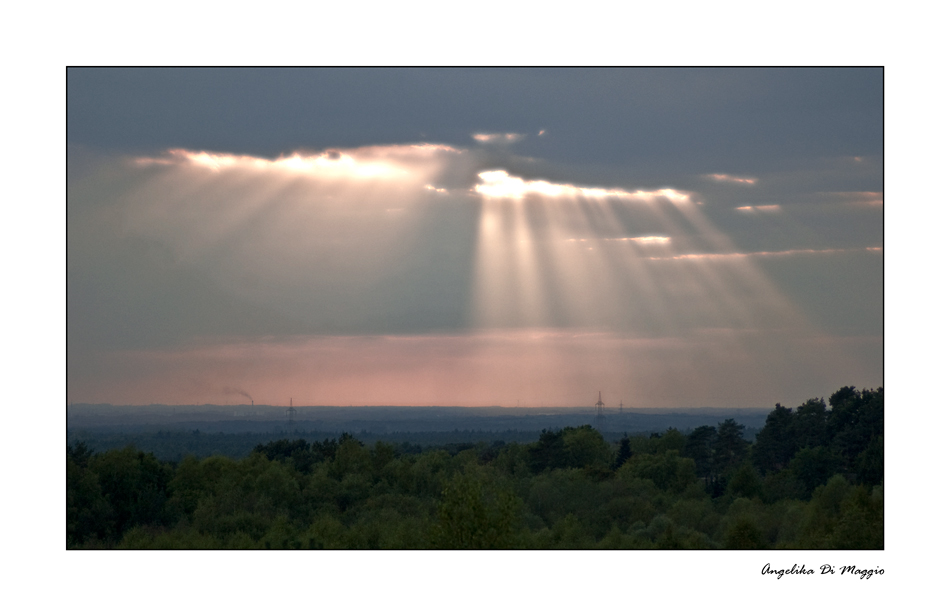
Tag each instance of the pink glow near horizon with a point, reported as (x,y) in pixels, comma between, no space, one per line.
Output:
(538,367)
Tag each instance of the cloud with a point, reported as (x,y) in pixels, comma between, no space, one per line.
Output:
(723,177)
(499,184)
(649,239)
(856,198)
(766,253)
(496,138)
(747,209)
(365,162)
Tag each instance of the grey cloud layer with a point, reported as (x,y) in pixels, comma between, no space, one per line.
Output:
(747,120)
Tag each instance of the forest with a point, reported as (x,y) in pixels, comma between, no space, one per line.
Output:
(812,479)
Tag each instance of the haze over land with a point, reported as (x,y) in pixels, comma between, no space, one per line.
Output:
(672,238)
(386,419)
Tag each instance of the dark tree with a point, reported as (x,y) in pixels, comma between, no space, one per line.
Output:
(88,514)
(810,424)
(135,484)
(730,448)
(869,465)
(624,453)
(569,448)
(79,454)
(699,447)
(298,452)
(775,444)
(813,466)
(548,452)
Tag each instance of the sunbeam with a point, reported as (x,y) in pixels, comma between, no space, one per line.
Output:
(405,272)
(610,276)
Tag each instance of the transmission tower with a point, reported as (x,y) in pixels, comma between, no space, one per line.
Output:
(600,412)
(291,412)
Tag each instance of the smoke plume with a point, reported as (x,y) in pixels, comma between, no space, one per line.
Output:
(234,390)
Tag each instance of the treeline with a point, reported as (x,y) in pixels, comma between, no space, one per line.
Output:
(176,445)
(813,479)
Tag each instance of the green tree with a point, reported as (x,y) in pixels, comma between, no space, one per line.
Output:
(89,516)
(569,448)
(350,457)
(298,452)
(135,484)
(745,483)
(381,455)
(667,471)
(586,447)
(744,534)
(671,440)
(474,513)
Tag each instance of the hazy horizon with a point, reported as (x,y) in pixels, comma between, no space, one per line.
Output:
(338,407)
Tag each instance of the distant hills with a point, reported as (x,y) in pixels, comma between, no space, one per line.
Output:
(388,419)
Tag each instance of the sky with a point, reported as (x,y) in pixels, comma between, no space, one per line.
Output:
(513,237)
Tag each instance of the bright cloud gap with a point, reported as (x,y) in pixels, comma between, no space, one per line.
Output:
(497,183)
(650,239)
(370,161)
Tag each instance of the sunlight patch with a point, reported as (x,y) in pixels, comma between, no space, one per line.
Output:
(367,162)
(498,183)
(648,239)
